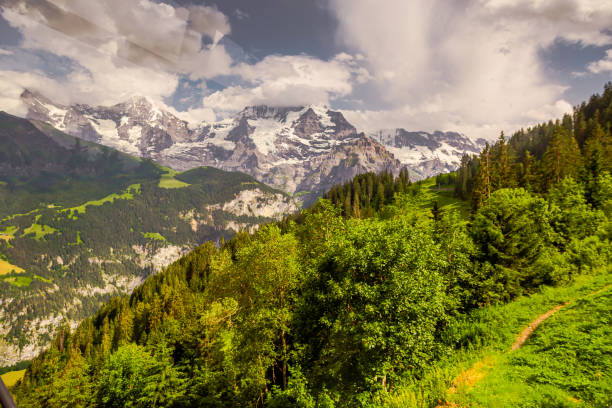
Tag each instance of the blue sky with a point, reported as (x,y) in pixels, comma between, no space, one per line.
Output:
(474,66)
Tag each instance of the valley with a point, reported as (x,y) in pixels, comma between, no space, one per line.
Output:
(89,233)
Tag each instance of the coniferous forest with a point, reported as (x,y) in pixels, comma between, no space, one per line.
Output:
(361,299)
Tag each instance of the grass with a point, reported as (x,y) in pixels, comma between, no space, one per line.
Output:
(566,362)
(484,338)
(445,195)
(43,279)
(167,180)
(6,268)
(10,217)
(8,233)
(154,235)
(300,193)
(12,377)
(39,230)
(127,194)
(19,281)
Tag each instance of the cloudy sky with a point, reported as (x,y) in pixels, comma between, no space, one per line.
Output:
(475,66)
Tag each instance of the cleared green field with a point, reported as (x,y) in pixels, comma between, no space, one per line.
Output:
(10,217)
(19,281)
(43,279)
(12,377)
(39,230)
(445,196)
(6,268)
(154,235)
(167,180)
(127,194)
(8,233)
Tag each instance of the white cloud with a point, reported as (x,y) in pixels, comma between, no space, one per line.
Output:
(471,65)
(121,48)
(9,94)
(603,65)
(468,65)
(289,81)
(241,14)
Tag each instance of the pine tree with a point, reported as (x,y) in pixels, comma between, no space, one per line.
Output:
(561,159)
(347,206)
(356,213)
(436,212)
(501,171)
(527,173)
(580,127)
(483,179)
(595,164)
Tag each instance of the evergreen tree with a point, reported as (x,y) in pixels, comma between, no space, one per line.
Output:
(483,188)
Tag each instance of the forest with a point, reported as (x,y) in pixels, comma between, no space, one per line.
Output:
(358,298)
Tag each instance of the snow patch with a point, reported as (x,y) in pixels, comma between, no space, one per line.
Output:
(56,115)
(221,131)
(265,134)
(134,134)
(321,112)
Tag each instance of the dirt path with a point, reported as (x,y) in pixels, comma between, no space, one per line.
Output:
(534,325)
(478,371)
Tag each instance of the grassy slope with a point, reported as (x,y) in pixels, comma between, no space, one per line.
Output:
(485,336)
(12,377)
(445,195)
(168,180)
(127,194)
(566,362)
(6,268)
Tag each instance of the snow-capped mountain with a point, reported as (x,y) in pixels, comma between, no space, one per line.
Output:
(296,149)
(300,149)
(427,154)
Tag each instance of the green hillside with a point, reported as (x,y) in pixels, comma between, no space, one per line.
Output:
(386,293)
(80,223)
(566,362)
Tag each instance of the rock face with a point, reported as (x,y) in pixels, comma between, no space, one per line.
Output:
(427,154)
(296,149)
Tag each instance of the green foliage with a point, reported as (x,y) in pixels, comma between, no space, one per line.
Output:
(510,230)
(365,299)
(372,307)
(131,377)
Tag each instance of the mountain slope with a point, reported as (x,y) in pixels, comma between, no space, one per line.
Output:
(80,222)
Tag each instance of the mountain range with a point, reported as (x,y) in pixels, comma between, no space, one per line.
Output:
(304,150)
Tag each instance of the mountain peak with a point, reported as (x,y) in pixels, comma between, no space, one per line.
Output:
(267,112)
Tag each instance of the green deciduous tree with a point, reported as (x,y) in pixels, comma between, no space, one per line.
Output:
(372,306)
